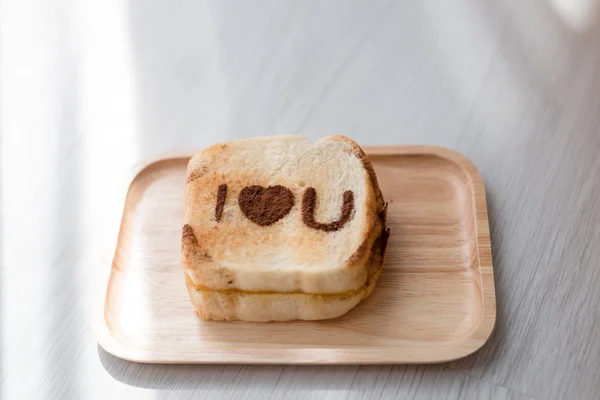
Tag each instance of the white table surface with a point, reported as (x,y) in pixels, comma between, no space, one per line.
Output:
(90,87)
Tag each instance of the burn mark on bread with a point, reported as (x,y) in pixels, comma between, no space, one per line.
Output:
(379,246)
(360,252)
(265,206)
(371,173)
(193,176)
(383,213)
(385,235)
(188,236)
(309,204)
(197,173)
(359,153)
(190,246)
(377,254)
(221,197)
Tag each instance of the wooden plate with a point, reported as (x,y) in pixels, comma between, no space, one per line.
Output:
(434,302)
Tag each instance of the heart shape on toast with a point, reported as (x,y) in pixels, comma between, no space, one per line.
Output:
(265,206)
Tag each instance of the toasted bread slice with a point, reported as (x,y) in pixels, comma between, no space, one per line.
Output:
(279,216)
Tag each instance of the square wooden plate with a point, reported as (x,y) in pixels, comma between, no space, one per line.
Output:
(434,302)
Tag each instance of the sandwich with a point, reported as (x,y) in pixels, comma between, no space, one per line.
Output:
(280,228)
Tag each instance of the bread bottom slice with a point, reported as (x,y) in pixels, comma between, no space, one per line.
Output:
(265,307)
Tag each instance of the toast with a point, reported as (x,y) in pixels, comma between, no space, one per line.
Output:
(279,228)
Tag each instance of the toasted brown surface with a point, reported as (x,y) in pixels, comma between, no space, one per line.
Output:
(235,252)
(263,307)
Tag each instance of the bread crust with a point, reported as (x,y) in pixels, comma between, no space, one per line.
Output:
(220,289)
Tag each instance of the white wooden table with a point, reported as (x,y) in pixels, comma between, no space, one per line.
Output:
(90,87)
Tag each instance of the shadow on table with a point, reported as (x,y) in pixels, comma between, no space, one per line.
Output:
(291,378)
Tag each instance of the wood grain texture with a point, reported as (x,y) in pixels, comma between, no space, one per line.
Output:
(434,302)
(89,88)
